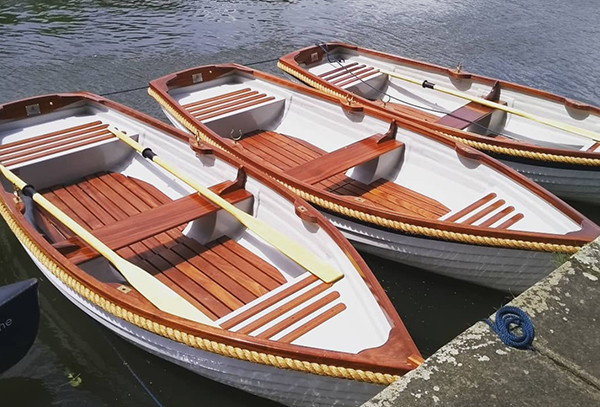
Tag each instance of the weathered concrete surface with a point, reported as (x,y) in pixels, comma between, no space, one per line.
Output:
(476,369)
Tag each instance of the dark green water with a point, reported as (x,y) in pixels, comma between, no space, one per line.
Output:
(109,46)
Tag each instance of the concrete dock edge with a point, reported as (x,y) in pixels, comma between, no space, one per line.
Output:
(477,369)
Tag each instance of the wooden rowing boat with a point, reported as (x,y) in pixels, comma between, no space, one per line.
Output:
(553,140)
(393,187)
(271,327)
(19,319)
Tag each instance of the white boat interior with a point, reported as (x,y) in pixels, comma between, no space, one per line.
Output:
(360,74)
(157,222)
(364,159)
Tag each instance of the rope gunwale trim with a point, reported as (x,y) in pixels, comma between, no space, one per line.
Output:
(338,372)
(374,219)
(533,155)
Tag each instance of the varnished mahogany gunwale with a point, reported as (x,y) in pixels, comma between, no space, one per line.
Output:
(294,59)
(588,232)
(390,358)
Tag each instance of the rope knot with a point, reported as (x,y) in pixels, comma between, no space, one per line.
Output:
(508,320)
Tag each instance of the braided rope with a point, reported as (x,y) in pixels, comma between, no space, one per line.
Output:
(533,155)
(377,220)
(182,337)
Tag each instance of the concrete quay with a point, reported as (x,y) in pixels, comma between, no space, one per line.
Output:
(477,369)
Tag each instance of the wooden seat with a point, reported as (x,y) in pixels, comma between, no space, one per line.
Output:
(283,153)
(348,74)
(483,207)
(226,103)
(217,277)
(149,223)
(341,160)
(303,306)
(52,143)
(472,112)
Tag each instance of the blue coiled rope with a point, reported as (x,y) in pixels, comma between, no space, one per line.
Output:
(508,319)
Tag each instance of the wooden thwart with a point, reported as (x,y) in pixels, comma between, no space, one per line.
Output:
(345,158)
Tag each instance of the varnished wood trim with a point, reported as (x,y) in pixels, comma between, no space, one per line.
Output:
(282,309)
(58,150)
(497,217)
(48,135)
(336,70)
(341,160)
(511,221)
(219,97)
(233,109)
(471,207)
(359,77)
(304,312)
(483,212)
(313,323)
(203,110)
(343,75)
(238,98)
(268,302)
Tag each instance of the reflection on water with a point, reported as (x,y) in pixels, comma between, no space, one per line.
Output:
(105,46)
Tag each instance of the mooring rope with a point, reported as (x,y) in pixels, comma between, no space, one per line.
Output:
(508,320)
(406,102)
(117,92)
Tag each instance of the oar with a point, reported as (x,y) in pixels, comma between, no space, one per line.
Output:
(155,291)
(284,244)
(548,122)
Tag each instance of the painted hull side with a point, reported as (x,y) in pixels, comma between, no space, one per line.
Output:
(503,269)
(572,184)
(288,387)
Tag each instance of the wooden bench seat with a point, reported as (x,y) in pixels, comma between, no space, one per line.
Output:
(483,207)
(298,308)
(217,277)
(55,142)
(348,74)
(226,103)
(345,158)
(283,153)
(149,223)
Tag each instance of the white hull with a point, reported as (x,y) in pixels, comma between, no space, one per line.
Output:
(576,185)
(288,387)
(508,270)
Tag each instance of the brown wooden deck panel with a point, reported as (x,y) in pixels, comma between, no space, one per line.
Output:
(358,75)
(268,302)
(226,103)
(341,160)
(471,207)
(313,323)
(215,98)
(336,70)
(380,193)
(265,319)
(198,272)
(511,221)
(304,312)
(342,73)
(497,216)
(408,111)
(464,116)
(52,143)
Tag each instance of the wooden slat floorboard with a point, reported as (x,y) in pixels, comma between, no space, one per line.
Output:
(217,278)
(268,146)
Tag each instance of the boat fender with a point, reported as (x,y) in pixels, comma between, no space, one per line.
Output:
(428,85)
(148,153)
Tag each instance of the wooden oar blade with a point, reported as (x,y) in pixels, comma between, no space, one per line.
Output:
(161,296)
(294,251)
